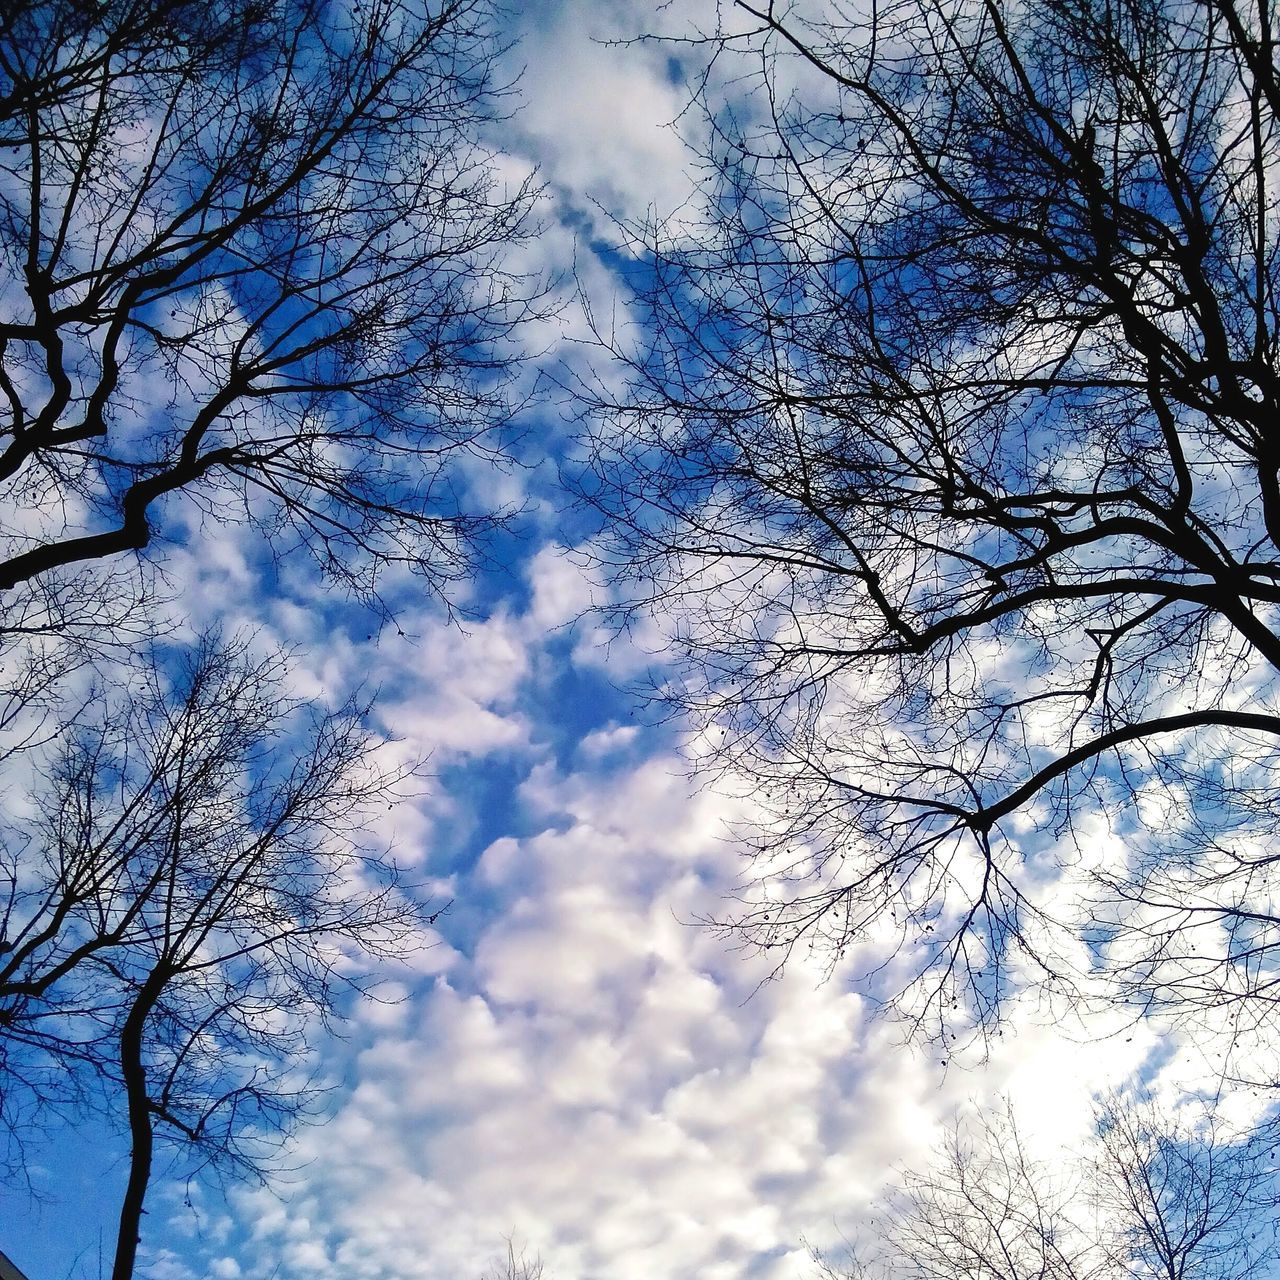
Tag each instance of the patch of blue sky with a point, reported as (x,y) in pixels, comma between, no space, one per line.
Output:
(59,1221)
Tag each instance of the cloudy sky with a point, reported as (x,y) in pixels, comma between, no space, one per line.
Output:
(575,1064)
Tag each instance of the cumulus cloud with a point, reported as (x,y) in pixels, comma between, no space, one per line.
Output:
(599,109)
(618,1088)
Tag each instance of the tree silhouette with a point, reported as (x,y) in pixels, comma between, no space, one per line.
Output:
(1155,1196)
(951,458)
(252,254)
(188,901)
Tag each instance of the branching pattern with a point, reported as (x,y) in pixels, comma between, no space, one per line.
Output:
(251,253)
(953,455)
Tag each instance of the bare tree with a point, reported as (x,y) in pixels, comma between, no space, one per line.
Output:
(253,260)
(984,1210)
(1154,1198)
(515,1264)
(251,254)
(189,899)
(950,455)
(1189,1201)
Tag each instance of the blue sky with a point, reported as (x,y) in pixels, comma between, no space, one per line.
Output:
(573,1063)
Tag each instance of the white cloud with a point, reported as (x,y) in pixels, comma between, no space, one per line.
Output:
(609,1081)
(563,589)
(598,116)
(603,742)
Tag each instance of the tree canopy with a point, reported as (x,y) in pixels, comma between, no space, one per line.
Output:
(953,456)
(253,255)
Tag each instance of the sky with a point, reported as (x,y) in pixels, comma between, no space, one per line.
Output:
(575,1064)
